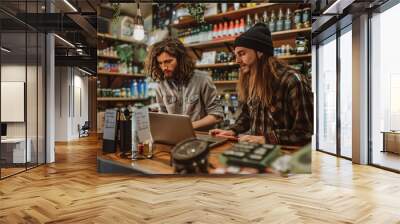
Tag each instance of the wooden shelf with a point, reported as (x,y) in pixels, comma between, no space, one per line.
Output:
(114,38)
(235,14)
(294,57)
(226,82)
(108,57)
(113,99)
(230,40)
(104,73)
(292,32)
(211,43)
(218,65)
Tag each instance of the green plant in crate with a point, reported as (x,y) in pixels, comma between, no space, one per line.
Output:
(125,53)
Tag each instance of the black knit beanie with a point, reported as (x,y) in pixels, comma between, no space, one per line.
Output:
(258,38)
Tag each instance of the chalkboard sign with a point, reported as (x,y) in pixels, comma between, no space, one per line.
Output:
(110,131)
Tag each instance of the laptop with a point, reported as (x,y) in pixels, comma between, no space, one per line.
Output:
(170,129)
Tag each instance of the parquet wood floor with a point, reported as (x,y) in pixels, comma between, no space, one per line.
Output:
(71,191)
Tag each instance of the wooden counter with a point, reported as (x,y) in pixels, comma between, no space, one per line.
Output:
(160,163)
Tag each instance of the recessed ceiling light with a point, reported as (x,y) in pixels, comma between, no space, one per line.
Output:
(5,50)
(86,72)
(70,5)
(64,40)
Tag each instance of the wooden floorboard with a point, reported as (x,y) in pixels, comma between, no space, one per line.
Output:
(71,191)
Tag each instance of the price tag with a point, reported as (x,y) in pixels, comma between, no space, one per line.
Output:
(141,124)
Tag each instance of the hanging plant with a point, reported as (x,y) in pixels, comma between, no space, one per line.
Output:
(116,13)
(197,11)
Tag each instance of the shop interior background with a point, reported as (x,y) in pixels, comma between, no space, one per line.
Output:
(124,40)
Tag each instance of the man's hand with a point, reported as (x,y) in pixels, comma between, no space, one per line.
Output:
(222,132)
(205,121)
(252,138)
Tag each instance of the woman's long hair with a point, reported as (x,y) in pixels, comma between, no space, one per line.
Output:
(185,64)
(259,85)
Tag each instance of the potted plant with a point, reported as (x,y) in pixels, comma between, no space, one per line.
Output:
(197,11)
(125,53)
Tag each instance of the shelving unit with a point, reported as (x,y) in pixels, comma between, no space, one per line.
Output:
(229,41)
(280,38)
(227,15)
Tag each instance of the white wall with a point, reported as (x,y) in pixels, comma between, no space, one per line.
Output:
(34,125)
(71,102)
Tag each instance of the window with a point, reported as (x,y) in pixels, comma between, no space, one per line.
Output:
(385,85)
(327,95)
(346,95)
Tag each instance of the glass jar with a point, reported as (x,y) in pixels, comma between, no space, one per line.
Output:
(306,17)
(298,18)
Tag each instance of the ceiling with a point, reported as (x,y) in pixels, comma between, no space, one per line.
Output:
(78,28)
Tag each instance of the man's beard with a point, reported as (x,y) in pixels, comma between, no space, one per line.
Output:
(170,77)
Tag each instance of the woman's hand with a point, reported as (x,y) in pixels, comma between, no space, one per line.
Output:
(252,138)
(222,132)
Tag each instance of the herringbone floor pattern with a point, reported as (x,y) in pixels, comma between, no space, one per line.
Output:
(71,191)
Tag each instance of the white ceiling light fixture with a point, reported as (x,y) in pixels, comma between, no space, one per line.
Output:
(5,50)
(138,27)
(65,41)
(70,5)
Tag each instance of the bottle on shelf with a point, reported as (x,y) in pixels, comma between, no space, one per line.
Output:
(215,32)
(225,32)
(237,27)
(210,32)
(279,22)
(249,22)
(256,19)
(220,30)
(272,22)
(265,18)
(231,28)
(241,26)
(140,88)
(288,19)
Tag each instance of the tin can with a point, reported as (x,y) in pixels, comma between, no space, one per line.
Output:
(306,17)
(298,18)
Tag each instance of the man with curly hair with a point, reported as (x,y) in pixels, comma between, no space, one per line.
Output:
(181,88)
